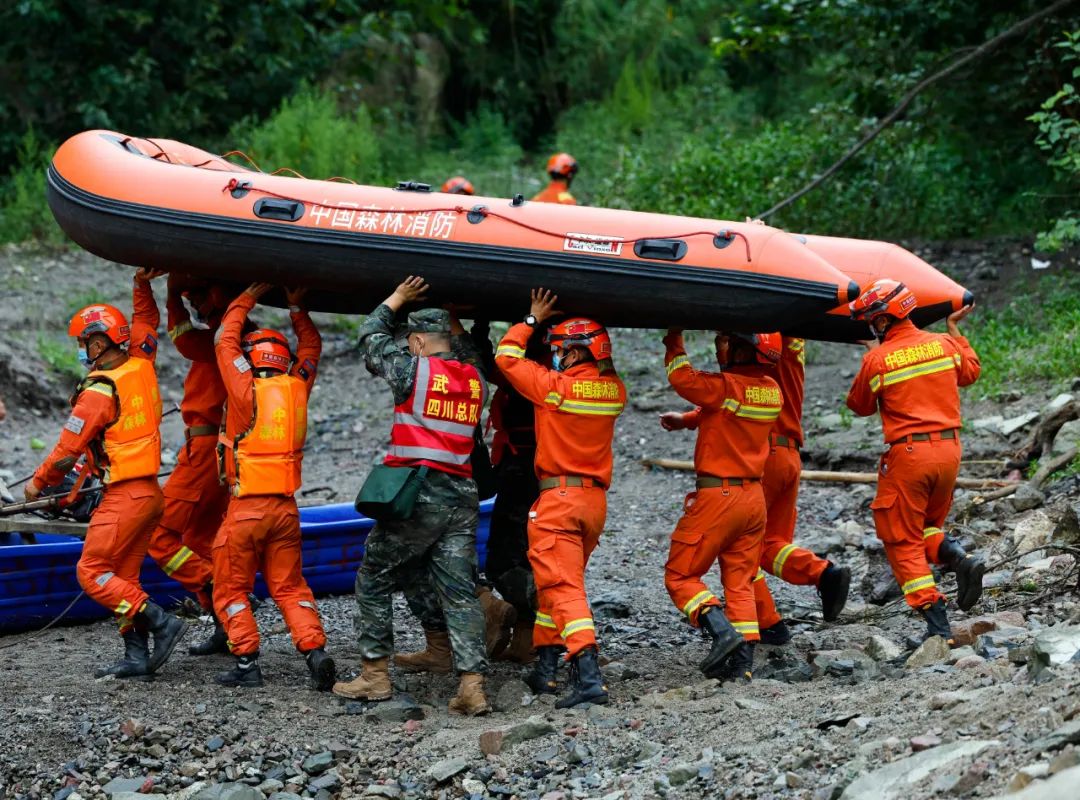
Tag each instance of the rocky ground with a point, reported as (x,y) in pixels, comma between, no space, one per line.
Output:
(842,711)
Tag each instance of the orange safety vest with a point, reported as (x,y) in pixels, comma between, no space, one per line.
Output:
(436,423)
(265,459)
(130,445)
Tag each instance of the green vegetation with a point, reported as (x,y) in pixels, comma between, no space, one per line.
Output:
(697,108)
(60,356)
(1032,338)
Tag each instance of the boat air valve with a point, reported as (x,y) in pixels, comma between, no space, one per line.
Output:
(240,189)
(413,186)
(519,200)
(477,214)
(723,239)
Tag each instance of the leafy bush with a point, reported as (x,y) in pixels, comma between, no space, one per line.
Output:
(24,211)
(1059,138)
(1041,324)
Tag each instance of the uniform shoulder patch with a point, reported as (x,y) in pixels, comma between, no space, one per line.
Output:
(149,344)
(75,424)
(242,364)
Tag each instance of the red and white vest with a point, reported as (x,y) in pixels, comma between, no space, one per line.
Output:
(436,423)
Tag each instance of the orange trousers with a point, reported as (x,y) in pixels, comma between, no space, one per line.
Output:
(564,528)
(779,556)
(262,534)
(914,495)
(195,503)
(725,525)
(116,543)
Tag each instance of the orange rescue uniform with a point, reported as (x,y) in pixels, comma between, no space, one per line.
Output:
(575,425)
(260,450)
(195,499)
(114,422)
(556,192)
(724,520)
(913,379)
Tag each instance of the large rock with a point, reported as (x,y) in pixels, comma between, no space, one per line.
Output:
(1026,497)
(1032,531)
(118,785)
(1068,437)
(1013,424)
(966,631)
(1059,787)
(1069,733)
(399,710)
(228,791)
(881,649)
(1056,645)
(934,650)
(495,741)
(895,780)
(447,768)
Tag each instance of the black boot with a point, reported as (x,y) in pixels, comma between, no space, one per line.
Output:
(134,663)
(725,638)
(776,635)
(937,620)
(739,665)
(166,629)
(542,678)
(322,669)
(833,587)
(586,682)
(246,673)
(216,642)
(969,572)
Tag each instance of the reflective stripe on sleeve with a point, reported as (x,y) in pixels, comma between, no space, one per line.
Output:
(676,363)
(916,584)
(544,620)
(781,559)
(577,626)
(178,560)
(697,601)
(928,532)
(510,351)
(123,607)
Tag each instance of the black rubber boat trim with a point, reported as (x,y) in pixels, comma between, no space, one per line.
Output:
(708,276)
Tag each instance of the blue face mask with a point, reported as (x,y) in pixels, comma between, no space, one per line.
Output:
(556,363)
(85,359)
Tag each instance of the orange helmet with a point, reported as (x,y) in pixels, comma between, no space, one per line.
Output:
(883,296)
(562,166)
(101,318)
(267,349)
(767,346)
(458,184)
(581,332)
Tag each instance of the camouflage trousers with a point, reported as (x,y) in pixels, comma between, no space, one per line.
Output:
(508,566)
(431,557)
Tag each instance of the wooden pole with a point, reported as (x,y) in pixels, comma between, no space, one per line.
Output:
(825,476)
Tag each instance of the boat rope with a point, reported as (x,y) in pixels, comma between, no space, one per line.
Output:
(40,631)
(483,211)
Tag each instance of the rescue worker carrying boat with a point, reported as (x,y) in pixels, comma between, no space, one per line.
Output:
(561,168)
(195,500)
(913,377)
(576,404)
(724,519)
(115,415)
(260,453)
(439,394)
(458,184)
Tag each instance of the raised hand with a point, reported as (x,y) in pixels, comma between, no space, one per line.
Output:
(258,289)
(295,297)
(543,304)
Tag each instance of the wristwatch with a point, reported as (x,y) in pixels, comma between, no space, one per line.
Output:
(531,320)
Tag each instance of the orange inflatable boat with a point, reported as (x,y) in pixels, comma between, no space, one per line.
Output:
(864,261)
(159,203)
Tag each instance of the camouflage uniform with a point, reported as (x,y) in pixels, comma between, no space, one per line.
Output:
(431,557)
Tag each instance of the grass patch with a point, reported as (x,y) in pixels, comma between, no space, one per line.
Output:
(1032,339)
(60,356)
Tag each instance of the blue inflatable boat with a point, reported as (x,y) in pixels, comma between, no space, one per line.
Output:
(37,581)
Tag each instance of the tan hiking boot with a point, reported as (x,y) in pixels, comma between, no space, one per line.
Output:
(521,647)
(499,617)
(470,698)
(436,657)
(373,682)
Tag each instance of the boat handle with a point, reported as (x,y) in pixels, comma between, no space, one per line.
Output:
(661,249)
(287,210)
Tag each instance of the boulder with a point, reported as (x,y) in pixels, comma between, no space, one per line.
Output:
(895,780)
(444,770)
(495,741)
(965,631)
(881,649)
(1054,646)
(1026,497)
(1068,437)
(1064,784)
(934,650)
